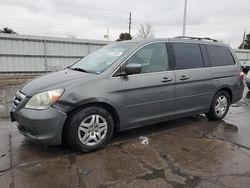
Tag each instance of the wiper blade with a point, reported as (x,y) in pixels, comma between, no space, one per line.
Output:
(82,70)
(79,69)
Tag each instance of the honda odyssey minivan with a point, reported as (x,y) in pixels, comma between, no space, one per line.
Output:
(126,85)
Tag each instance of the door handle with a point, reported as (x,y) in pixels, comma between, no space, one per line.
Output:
(166,79)
(184,77)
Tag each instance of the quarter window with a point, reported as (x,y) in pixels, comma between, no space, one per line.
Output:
(153,58)
(187,56)
(219,55)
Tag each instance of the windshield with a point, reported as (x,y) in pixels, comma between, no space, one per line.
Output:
(102,58)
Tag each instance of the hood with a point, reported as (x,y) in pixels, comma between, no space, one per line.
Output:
(56,80)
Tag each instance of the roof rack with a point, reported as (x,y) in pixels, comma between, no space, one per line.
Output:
(196,38)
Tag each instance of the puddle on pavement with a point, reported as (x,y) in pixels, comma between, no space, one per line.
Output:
(226,127)
(156,173)
(225,131)
(194,126)
(239,104)
(219,129)
(72,158)
(229,127)
(27,151)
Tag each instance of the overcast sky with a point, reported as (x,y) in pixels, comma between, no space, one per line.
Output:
(89,19)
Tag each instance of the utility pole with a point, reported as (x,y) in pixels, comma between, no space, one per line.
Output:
(184,19)
(129,23)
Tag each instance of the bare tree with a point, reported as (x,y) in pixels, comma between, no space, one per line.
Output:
(145,31)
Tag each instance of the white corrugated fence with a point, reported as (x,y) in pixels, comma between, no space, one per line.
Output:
(29,54)
(243,55)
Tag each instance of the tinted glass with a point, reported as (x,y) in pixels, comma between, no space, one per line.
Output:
(219,55)
(187,56)
(153,58)
(205,56)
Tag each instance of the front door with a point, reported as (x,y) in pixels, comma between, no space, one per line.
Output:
(149,96)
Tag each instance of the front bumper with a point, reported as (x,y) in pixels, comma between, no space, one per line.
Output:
(44,126)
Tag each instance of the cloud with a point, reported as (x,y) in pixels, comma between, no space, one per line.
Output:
(224,19)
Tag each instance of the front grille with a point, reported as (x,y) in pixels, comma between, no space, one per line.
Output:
(17,99)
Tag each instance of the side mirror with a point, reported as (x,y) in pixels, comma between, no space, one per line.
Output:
(133,69)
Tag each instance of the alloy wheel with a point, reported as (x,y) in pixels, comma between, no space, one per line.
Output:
(221,106)
(92,130)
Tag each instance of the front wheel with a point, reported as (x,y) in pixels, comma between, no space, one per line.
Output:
(219,107)
(90,129)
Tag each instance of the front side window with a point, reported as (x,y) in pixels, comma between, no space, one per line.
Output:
(101,59)
(153,58)
(187,56)
(219,55)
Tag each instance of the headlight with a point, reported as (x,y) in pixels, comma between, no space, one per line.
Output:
(44,100)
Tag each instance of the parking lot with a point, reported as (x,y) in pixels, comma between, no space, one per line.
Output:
(189,152)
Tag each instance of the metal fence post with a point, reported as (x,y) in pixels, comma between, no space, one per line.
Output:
(88,48)
(45,56)
(248,57)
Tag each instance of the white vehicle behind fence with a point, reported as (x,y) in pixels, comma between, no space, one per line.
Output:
(245,66)
(244,58)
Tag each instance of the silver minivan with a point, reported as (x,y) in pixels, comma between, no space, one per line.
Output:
(126,85)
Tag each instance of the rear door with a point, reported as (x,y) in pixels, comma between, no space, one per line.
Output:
(193,79)
(149,96)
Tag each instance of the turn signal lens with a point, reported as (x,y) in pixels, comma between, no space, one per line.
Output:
(242,75)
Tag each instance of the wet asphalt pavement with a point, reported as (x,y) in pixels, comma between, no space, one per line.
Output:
(189,152)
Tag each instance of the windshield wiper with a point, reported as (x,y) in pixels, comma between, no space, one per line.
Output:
(82,70)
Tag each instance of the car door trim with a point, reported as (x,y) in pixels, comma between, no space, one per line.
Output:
(145,103)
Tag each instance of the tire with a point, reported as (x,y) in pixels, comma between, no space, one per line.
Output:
(89,129)
(219,106)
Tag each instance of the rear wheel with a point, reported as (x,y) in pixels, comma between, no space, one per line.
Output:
(220,106)
(90,129)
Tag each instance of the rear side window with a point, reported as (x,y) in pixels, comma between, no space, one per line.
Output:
(187,56)
(219,55)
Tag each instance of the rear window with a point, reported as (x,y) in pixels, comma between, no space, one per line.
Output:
(219,55)
(187,56)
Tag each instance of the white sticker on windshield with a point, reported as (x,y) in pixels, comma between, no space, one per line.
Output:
(115,53)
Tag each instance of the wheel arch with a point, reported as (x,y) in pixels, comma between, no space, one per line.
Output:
(228,90)
(92,102)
